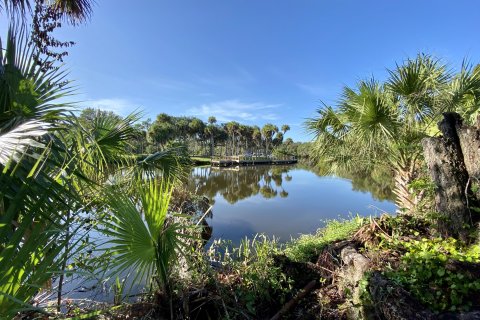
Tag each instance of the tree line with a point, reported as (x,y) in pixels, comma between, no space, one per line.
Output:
(200,138)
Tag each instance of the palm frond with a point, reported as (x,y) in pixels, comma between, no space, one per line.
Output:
(14,143)
(418,83)
(74,10)
(32,229)
(142,237)
(463,93)
(27,91)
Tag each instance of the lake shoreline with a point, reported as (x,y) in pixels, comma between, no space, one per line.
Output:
(317,275)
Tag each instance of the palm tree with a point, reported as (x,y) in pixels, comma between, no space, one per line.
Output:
(74,10)
(285,128)
(232,128)
(145,238)
(257,137)
(268,130)
(384,123)
(210,129)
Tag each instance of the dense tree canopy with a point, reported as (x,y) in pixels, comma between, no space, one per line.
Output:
(230,138)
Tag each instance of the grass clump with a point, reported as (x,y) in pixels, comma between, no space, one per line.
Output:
(307,247)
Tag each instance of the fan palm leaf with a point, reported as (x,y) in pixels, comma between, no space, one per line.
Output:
(142,236)
(73,10)
(14,143)
(32,229)
(418,83)
(26,91)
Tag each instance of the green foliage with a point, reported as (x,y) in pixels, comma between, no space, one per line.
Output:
(424,185)
(143,238)
(383,123)
(38,200)
(424,189)
(309,246)
(426,271)
(252,277)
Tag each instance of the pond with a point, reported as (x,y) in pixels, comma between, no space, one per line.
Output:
(280,201)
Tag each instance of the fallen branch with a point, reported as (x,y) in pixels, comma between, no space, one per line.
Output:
(204,215)
(299,296)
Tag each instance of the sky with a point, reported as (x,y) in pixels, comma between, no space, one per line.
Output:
(254,61)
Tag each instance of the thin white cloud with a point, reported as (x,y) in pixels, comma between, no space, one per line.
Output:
(238,79)
(167,84)
(313,89)
(118,105)
(235,110)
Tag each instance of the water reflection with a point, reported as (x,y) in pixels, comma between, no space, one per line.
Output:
(283,201)
(377,181)
(238,183)
(235,184)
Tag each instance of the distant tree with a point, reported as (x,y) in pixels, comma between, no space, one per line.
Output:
(196,129)
(232,128)
(278,139)
(211,129)
(88,116)
(212,120)
(257,136)
(285,128)
(161,131)
(268,130)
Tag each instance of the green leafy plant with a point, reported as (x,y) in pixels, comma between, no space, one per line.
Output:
(144,238)
(428,271)
(38,202)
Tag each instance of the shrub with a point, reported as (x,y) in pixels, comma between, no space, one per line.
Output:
(249,272)
(425,272)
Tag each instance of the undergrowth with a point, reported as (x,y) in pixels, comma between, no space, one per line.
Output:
(438,273)
(249,280)
(307,247)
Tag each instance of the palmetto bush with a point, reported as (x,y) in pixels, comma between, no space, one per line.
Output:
(52,168)
(382,124)
(144,237)
(35,190)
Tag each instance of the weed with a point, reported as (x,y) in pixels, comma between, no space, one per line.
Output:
(308,247)
(250,274)
(426,271)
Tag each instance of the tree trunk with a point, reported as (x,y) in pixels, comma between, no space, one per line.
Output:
(211,146)
(405,200)
(444,159)
(469,138)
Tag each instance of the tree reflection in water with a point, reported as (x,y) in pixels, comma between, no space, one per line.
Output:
(310,197)
(238,183)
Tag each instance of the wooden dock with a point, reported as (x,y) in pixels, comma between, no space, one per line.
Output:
(227,161)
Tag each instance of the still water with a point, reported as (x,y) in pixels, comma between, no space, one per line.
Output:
(280,201)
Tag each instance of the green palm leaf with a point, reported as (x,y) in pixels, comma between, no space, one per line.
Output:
(14,143)
(143,238)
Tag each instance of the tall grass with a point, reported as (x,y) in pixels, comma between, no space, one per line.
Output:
(307,247)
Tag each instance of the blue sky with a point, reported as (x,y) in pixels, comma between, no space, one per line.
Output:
(254,61)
